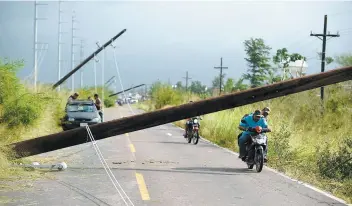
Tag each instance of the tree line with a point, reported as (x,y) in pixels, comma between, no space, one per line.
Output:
(262,69)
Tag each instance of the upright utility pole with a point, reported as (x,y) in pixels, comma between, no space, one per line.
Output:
(187,78)
(35,48)
(324,35)
(95,60)
(59,45)
(72,49)
(81,59)
(102,77)
(221,68)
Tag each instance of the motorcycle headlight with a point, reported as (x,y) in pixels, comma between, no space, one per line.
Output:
(195,121)
(71,119)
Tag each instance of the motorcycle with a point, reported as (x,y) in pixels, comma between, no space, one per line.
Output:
(193,131)
(255,150)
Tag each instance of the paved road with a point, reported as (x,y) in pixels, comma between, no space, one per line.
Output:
(157,167)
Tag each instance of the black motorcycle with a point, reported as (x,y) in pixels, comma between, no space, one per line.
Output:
(193,130)
(255,150)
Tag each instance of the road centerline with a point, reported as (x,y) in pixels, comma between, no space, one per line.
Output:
(142,187)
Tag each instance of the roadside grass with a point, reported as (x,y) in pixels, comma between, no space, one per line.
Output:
(306,143)
(49,111)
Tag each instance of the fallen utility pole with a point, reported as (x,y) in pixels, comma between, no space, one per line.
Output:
(142,121)
(88,59)
(126,90)
(109,80)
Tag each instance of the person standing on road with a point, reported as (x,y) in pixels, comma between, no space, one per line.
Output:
(99,105)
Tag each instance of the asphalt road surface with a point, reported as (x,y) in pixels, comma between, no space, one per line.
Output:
(157,166)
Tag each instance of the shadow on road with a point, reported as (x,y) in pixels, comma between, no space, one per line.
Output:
(186,170)
(217,169)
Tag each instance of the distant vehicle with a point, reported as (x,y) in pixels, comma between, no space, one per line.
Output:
(80,113)
(132,101)
(119,102)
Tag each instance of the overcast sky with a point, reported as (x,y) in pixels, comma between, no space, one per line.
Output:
(166,39)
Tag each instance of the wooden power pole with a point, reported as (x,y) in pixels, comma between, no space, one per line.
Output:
(221,68)
(163,116)
(324,35)
(187,78)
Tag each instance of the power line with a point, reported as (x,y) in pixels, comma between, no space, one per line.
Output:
(221,68)
(324,35)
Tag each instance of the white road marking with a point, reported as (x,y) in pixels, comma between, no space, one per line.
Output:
(169,134)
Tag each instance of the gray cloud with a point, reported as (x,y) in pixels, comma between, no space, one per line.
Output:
(166,39)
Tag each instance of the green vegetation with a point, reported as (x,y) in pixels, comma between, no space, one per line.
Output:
(310,141)
(26,114)
(23,114)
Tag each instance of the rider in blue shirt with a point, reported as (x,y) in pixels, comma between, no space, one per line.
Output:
(248,125)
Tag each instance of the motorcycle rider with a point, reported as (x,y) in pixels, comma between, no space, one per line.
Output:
(188,124)
(248,125)
(265,112)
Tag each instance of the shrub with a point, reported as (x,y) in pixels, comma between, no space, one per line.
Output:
(336,165)
(163,95)
(109,102)
(9,83)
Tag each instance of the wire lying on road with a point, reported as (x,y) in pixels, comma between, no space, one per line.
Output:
(107,168)
(146,120)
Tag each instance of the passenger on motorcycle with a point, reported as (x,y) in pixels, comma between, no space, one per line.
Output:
(248,125)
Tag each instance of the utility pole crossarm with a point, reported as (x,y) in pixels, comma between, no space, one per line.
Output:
(221,68)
